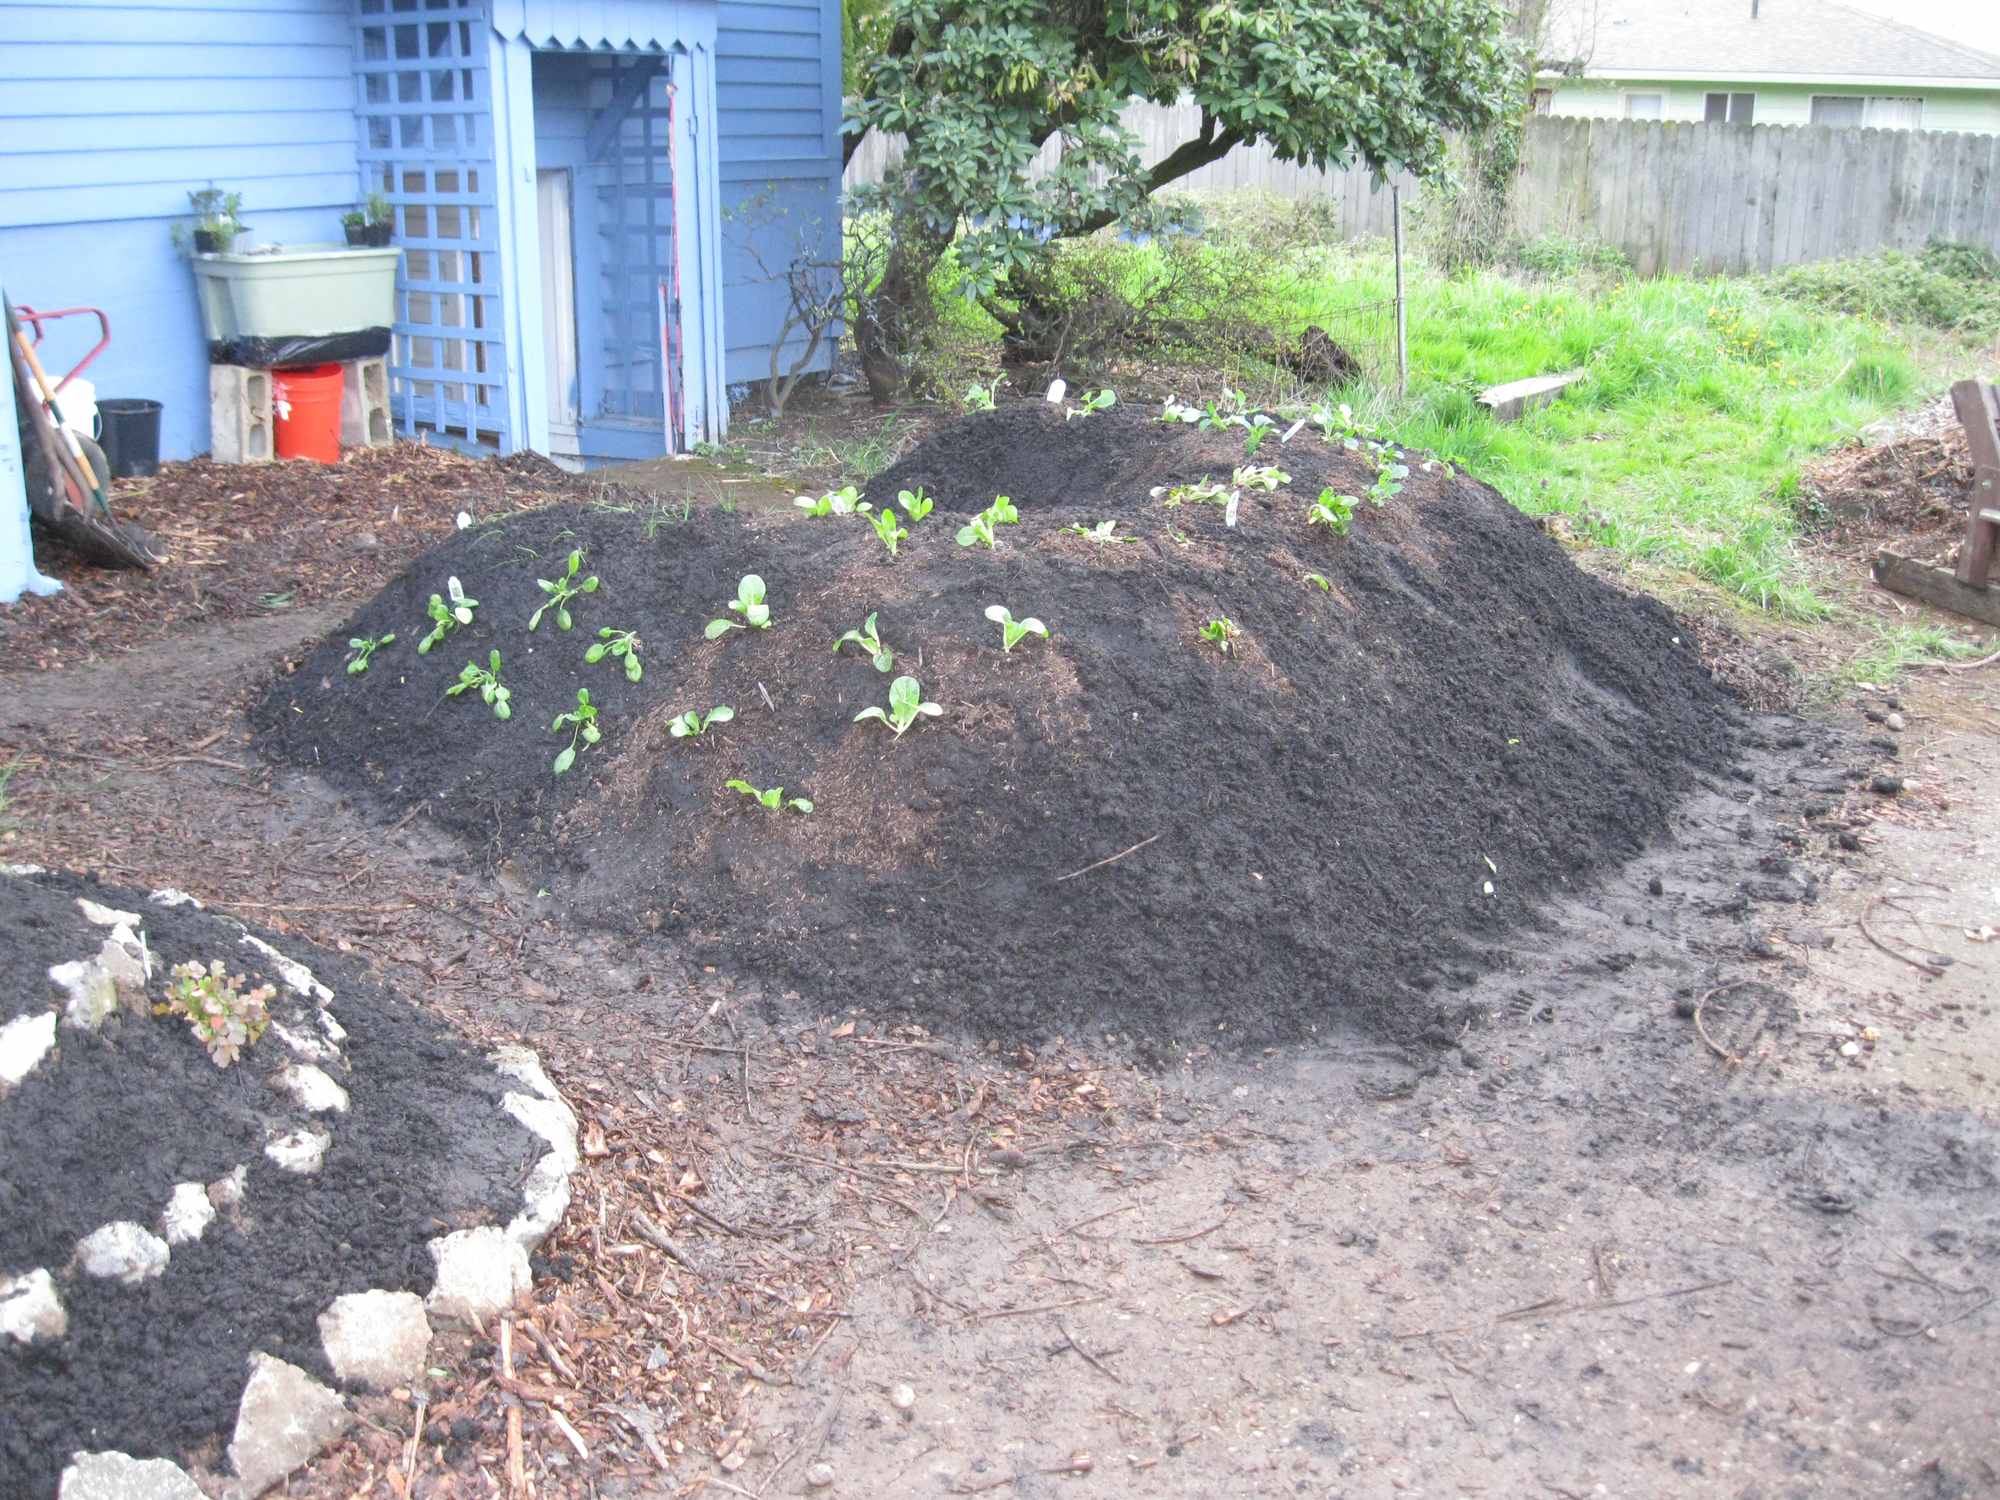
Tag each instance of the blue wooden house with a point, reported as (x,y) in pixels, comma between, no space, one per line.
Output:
(576,183)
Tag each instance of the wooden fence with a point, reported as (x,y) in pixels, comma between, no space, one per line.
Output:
(1673,197)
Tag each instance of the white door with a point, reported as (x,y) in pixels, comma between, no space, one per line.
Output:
(552,202)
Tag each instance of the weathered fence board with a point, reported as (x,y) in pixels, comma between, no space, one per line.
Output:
(1673,197)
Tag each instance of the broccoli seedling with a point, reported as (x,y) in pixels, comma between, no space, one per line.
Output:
(487,680)
(870,641)
(1103,531)
(561,591)
(981,528)
(1202,492)
(446,614)
(1325,586)
(364,647)
(916,504)
(693,723)
(980,397)
(1173,409)
(1011,629)
(887,531)
(1256,429)
(906,706)
(749,603)
(1333,511)
(1264,477)
(1221,633)
(772,800)
(845,501)
(1389,477)
(1091,401)
(1337,423)
(619,645)
(581,722)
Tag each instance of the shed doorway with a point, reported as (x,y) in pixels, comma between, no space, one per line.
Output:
(554,198)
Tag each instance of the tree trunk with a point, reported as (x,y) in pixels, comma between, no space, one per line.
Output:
(890,319)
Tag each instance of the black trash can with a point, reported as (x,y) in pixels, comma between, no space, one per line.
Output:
(131,437)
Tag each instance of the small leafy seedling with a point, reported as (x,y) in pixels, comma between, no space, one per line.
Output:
(1333,511)
(1092,401)
(487,680)
(1103,531)
(1265,477)
(887,531)
(581,722)
(1389,477)
(916,504)
(871,642)
(1255,430)
(621,646)
(1202,492)
(561,591)
(693,723)
(980,397)
(364,647)
(845,501)
(906,706)
(749,603)
(1338,424)
(1221,633)
(1011,629)
(224,1017)
(982,527)
(447,614)
(1173,409)
(1325,586)
(773,800)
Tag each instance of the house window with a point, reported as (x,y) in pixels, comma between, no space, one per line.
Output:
(1544,98)
(1645,106)
(1873,111)
(1730,109)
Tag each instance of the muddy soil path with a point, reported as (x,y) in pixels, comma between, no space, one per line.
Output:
(1583,1252)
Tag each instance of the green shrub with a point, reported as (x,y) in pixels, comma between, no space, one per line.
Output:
(1953,287)
(1561,258)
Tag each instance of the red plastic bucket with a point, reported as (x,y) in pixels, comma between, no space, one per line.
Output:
(308,406)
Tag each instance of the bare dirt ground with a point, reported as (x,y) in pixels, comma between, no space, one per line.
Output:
(1704,1203)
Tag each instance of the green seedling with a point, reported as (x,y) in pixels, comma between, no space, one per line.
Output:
(1221,633)
(446,614)
(871,642)
(749,603)
(1011,629)
(1202,492)
(1256,429)
(581,722)
(487,680)
(621,646)
(980,397)
(1389,477)
(561,591)
(692,724)
(1325,586)
(1337,423)
(1092,401)
(916,505)
(1173,409)
(906,706)
(1266,477)
(224,1017)
(364,647)
(1334,512)
(982,527)
(773,800)
(887,531)
(1103,531)
(846,501)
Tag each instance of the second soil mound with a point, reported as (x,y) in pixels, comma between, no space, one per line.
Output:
(1388,771)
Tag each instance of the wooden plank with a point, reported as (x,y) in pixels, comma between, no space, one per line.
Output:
(1934,586)
(1978,406)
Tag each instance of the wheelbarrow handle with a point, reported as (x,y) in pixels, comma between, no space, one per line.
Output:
(34,320)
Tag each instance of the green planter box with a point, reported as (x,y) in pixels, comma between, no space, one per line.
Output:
(296,291)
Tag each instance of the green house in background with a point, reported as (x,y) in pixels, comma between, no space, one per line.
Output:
(1760,62)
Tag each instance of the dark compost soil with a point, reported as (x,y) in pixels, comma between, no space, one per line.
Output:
(106,1126)
(1385,776)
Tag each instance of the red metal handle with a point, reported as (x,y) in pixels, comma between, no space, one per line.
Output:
(34,319)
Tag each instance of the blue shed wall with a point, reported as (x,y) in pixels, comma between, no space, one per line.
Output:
(111,113)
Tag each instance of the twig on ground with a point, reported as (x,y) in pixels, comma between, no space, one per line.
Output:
(1923,965)
(654,1235)
(741,1361)
(1088,1358)
(1182,1239)
(1112,860)
(1701,1029)
(1028,1312)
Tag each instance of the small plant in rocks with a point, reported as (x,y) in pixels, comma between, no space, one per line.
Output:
(771,799)
(561,590)
(906,706)
(447,613)
(1221,633)
(870,641)
(845,501)
(1332,510)
(581,722)
(224,1017)
(487,680)
(749,603)
(621,646)
(1011,629)
(888,531)
(916,504)
(693,724)
(364,648)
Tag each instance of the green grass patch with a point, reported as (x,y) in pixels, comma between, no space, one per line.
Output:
(1896,648)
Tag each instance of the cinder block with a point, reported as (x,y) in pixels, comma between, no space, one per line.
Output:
(364,404)
(1513,400)
(239,414)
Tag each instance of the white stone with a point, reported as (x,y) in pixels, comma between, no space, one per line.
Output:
(304,1045)
(301,1150)
(546,1194)
(22,871)
(551,1119)
(298,978)
(902,1396)
(24,1042)
(168,896)
(335,1032)
(285,1418)
(30,1308)
(105,916)
(479,1273)
(521,1065)
(119,1476)
(93,994)
(227,1192)
(819,1476)
(376,1339)
(187,1215)
(123,1251)
(316,1092)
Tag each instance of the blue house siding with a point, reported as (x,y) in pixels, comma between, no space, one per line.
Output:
(778,94)
(110,114)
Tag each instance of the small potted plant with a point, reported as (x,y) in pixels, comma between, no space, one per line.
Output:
(216,225)
(355,222)
(379,223)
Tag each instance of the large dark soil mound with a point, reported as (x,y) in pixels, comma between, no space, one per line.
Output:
(1387,771)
